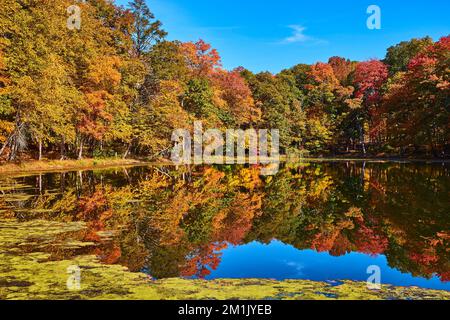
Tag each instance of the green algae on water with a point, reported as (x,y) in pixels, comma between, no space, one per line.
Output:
(33,275)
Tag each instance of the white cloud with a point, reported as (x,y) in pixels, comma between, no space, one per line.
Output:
(298,267)
(297,34)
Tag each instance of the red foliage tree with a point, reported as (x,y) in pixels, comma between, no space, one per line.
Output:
(342,68)
(201,58)
(323,74)
(369,78)
(238,96)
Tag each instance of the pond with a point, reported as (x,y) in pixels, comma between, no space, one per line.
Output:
(320,221)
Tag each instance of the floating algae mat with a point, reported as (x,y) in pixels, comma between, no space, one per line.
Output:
(30,269)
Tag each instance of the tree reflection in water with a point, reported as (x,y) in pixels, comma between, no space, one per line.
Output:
(176,222)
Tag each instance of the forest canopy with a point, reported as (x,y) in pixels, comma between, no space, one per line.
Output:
(117,87)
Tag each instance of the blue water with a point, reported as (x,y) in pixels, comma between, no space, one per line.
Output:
(280,262)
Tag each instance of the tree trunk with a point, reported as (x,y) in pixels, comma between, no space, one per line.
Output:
(80,152)
(63,149)
(13,152)
(127,151)
(7,142)
(40,149)
(3,147)
(361,137)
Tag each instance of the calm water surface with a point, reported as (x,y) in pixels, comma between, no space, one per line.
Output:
(318,221)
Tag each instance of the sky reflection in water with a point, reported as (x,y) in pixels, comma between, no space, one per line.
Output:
(283,262)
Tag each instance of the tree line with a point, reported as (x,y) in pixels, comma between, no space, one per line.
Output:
(117,87)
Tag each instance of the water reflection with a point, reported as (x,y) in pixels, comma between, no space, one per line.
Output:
(189,222)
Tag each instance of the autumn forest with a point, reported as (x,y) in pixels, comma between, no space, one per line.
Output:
(117,88)
(93,92)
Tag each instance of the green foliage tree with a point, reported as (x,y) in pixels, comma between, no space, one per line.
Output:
(147,31)
(398,56)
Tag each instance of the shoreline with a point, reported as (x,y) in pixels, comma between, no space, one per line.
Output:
(67,165)
(369,159)
(43,166)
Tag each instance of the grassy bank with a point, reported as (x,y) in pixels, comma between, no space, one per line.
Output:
(63,165)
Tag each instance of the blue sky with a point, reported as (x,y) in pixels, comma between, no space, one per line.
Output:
(272,35)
